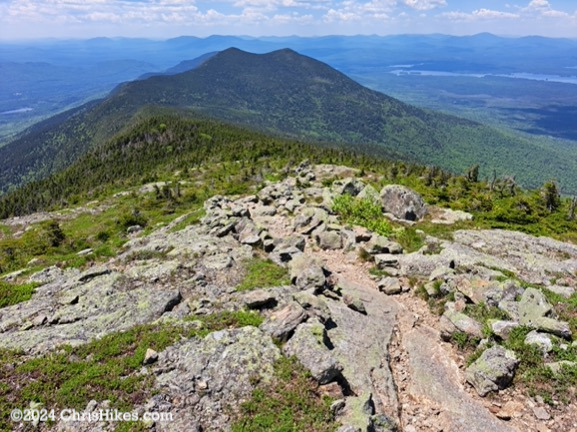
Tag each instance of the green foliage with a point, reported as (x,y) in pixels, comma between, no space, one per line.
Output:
(134,217)
(551,196)
(378,273)
(104,369)
(409,239)
(538,378)
(464,341)
(529,355)
(261,273)
(138,155)
(228,319)
(363,212)
(473,173)
(481,312)
(11,294)
(257,92)
(290,403)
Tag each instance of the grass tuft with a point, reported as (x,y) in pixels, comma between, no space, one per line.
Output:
(292,402)
(11,294)
(261,273)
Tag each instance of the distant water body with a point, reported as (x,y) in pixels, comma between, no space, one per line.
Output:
(17,111)
(520,75)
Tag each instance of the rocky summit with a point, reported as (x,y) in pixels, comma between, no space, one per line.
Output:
(284,303)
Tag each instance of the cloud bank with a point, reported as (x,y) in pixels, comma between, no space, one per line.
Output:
(167,18)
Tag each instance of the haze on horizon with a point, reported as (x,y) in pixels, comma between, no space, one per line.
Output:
(37,19)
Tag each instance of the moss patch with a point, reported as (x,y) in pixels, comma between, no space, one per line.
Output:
(13,294)
(261,273)
(292,402)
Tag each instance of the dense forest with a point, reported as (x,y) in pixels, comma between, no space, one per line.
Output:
(166,147)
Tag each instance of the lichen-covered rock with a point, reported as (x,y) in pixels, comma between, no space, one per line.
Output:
(351,186)
(349,239)
(382,423)
(348,428)
(390,286)
(48,275)
(307,272)
(355,303)
(76,312)
(403,203)
(533,305)
(330,240)
(386,260)
(541,340)
(564,291)
(535,311)
(309,218)
(309,345)
(283,322)
(493,371)
(369,193)
(445,216)
(453,321)
(381,245)
(247,232)
(506,291)
(553,326)
(475,288)
(205,379)
(315,305)
(259,298)
(503,328)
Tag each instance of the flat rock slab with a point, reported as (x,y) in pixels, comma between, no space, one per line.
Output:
(532,259)
(435,377)
(79,313)
(361,345)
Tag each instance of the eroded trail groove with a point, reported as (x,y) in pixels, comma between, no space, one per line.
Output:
(394,354)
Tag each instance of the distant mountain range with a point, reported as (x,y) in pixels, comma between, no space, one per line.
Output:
(286,93)
(498,54)
(183,66)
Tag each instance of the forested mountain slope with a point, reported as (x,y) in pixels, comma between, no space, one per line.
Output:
(286,93)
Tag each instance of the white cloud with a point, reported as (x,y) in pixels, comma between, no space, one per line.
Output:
(49,17)
(493,14)
(544,8)
(340,15)
(479,14)
(538,5)
(555,14)
(425,4)
(351,11)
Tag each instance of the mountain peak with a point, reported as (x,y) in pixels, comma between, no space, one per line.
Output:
(284,92)
(234,51)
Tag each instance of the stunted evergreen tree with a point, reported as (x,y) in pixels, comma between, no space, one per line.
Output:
(473,174)
(551,196)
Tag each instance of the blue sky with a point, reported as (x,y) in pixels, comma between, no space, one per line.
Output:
(26,19)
